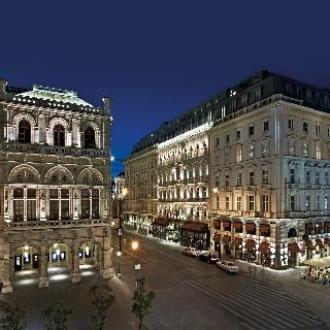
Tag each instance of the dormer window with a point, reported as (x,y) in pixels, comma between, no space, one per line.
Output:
(59,135)
(24,131)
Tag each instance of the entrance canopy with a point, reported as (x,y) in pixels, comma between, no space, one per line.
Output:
(195,226)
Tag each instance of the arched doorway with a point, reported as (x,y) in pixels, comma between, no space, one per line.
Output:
(90,258)
(59,262)
(26,265)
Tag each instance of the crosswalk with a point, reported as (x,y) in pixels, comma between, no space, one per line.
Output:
(257,306)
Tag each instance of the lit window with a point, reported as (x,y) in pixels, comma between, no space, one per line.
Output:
(317,129)
(265,177)
(265,148)
(305,149)
(291,124)
(251,151)
(223,111)
(308,203)
(227,203)
(239,153)
(251,203)
(265,203)
(318,151)
(239,203)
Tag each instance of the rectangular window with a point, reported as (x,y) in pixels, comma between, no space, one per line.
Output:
(317,177)
(326,202)
(266,126)
(318,202)
(227,203)
(31,210)
(308,203)
(251,130)
(217,141)
(54,210)
(265,177)
(265,203)
(308,177)
(239,203)
(227,138)
(326,178)
(223,111)
(258,94)
(239,153)
(317,129)
(18,210)
(292,175)
(217,203)
(227,180)
(85,209)
(291,124)
(251,203)
(238,179)
(251,178)
(238,135)
(292,203)
(305,127)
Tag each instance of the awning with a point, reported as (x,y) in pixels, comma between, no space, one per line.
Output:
(309,245)
(195,226)
(250,244)
(226,224)
(319,242)
(238,225)
(264,247)
(250,226)
(223,218)
(161,222)
(264,229)
(226,239)
(294,247)
(238,241)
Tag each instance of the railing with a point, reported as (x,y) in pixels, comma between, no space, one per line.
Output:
(47,149)
(25,225)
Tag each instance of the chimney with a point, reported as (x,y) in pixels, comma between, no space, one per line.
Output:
(107,105)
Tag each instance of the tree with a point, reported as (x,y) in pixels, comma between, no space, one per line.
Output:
(142,301)
(102,301)
(12,318)
(56,316)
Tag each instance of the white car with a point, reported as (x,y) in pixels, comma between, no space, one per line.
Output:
(228,266)
(190,251)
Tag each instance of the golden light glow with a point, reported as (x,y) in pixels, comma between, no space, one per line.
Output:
(124,192)
(135,245)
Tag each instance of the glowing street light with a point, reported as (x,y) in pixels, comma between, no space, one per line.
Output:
(135,245)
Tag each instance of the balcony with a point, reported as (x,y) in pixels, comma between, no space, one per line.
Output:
(46,149)
(28,225)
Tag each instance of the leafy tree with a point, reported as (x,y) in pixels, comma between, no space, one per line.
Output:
(142,301)
(12,318)
(102,301)
(56,316)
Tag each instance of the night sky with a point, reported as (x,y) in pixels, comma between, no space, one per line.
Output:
(157,59)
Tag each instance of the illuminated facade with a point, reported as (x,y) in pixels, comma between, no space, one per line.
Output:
(257,154)
(269,172)
(55,188)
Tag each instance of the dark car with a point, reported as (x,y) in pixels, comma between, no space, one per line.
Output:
(209,258)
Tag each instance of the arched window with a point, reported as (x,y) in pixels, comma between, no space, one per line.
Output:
(24,131)
(89,138)
(59,135)
(292,233)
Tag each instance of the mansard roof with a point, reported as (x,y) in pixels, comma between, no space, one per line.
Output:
(252,90)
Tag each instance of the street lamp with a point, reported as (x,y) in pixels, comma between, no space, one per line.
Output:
(119,271)
(137,266)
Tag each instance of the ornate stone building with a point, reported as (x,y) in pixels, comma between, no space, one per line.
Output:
(55,182)
(140,205)
(270,160)
(259,154)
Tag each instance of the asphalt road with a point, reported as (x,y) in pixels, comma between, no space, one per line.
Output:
(189,295)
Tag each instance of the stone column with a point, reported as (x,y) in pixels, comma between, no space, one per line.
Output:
(75,276)
(276,235)
(106,268)
(7,266)
(43,273)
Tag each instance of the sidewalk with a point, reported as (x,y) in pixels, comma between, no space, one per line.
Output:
(313,295)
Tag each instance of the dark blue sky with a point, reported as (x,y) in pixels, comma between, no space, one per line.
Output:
(159,58)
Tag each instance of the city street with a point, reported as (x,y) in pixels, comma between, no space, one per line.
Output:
(189,295)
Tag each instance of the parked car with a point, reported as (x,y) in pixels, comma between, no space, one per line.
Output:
(208,257)
(228,266)
(190,251)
